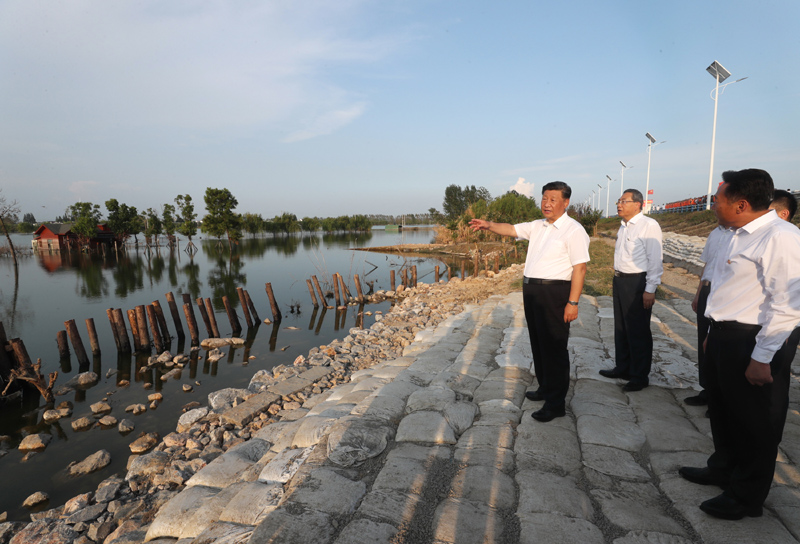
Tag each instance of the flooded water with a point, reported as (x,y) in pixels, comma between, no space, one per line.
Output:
(53,288)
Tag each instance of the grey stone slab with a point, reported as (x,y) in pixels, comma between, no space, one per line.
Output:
(637,507)
(500,436)
(537,528)
(498,418)
(283,466)
(665,465)
(485,485)
(500,458)
(460,383)
(430,398)
(189,512)
(425,426)
(459,521)
(674,433)
(651,537)
(341,390)
(252,503)
(364,531)
(767,529)
(478,368)
(311,430)
(298,527)
(541,492)
(613,462)
(364,388)
(326,491)
(398,388)
(395,507)
(415,377)
(522,375)
(423,454)
(657,404)
(615,433)
(245,412)
(512,390)
(547,447)
(289,386)
(387,408)
(316,373)
(433,362)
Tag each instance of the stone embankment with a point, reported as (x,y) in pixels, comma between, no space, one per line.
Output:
(684,250)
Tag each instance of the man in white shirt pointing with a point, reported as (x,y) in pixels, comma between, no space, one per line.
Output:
(753,306)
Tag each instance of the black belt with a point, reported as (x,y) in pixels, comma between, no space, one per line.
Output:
(618,274)
(539,281)
(733,326)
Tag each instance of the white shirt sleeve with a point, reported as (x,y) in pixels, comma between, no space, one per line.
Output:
(655,259)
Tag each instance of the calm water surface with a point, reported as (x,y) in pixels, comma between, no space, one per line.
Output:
(51,289)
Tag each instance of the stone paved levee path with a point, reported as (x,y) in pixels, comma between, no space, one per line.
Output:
(439,446)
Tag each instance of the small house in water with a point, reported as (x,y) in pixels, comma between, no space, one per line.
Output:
(59,236)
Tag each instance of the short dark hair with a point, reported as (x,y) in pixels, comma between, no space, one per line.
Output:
(565,189)
(784,200)
(636,196)
(753,185)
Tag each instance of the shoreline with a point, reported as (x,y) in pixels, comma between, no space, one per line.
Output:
(120,502)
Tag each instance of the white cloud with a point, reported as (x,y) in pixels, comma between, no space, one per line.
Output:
(327,123)
(523,187)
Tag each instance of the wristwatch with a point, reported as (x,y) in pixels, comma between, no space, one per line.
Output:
(574,303)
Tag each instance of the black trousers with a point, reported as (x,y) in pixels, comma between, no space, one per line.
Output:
(544,312)
(746,420)
(633,341)
(703,323)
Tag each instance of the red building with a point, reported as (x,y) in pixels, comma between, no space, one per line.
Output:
(59,236)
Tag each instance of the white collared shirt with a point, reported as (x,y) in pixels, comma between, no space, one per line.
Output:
(554,248)
(756,281)
(717,239)
(638,249)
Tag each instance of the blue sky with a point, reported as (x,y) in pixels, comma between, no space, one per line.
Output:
(331,108)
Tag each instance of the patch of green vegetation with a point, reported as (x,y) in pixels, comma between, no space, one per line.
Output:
(599,270)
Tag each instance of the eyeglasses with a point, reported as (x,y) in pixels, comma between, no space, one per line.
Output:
(624,201)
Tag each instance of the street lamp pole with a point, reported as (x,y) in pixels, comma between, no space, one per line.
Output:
(608,193)
(622,177)
(599,192)
(651,144)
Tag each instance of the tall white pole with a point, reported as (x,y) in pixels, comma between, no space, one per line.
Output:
(713,142)
(647,188)
(608,193)
(599,192)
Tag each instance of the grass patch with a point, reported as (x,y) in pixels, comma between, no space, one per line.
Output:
(599,270)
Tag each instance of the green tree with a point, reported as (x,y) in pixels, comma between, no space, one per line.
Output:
(85,216)
(187,226)
(25,227)
(513,208)
(29,218)
(168,222)
(152,226)
(221,219)
(123,220)
(453,203)
(286,223)
(252,223)
(311,224)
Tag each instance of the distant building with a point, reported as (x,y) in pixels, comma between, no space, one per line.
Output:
(59,236)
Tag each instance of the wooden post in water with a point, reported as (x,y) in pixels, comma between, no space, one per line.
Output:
(475,264)
(276,313)
(311,292)
(449,272)
(61,341)
(141,323)
(463,269)
(404,277)
(122,332)
(187,299)
(90,328)
(414,276)
(26,372)
(114,330)
(497,263)
(134,322)
(204,316)
(176,317)
(245,309)
(252,307)
(162,323)
(360,297)
(157,341)
(232,317)
(436,273)
(211,317)
(336,290)
(319,290)
(77,343)
(346,296)
(191,323)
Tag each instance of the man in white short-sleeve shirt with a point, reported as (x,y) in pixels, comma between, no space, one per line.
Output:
(555,267)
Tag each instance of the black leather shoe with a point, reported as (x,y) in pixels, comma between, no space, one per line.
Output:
(534,395)
(634,386)
(546,414)
(703,476)
(614,373)
(725,507)
(700,399)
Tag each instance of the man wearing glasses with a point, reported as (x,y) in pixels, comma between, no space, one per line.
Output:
(637,273)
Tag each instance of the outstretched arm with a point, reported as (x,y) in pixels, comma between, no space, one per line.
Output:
(504,229)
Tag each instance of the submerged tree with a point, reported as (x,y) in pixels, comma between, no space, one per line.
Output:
(152,225)
(8,210)
(85,216)
(168,222)
(187,225)
(123,220)
(221,219)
